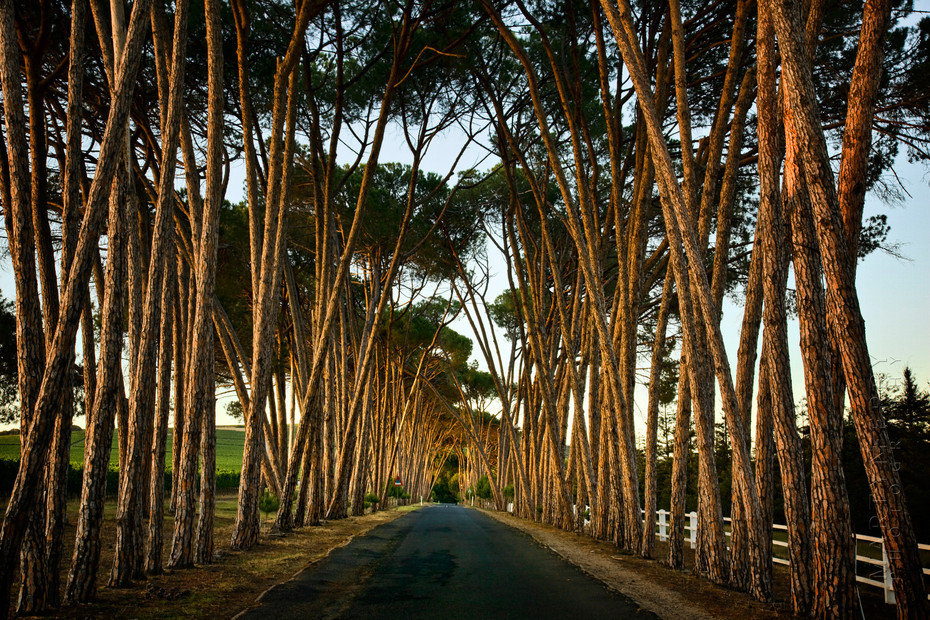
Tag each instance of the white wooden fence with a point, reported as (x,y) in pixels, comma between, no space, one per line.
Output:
(879,577)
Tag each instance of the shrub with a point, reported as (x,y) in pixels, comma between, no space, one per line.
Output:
(268,502)
(394,491)
(483,488)
(224,479)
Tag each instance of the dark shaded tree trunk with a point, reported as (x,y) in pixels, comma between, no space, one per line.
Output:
(82,577)
(169,322)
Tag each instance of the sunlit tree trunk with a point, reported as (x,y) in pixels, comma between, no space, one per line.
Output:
(128,556)
(270,245)
(200,394)
(680,455)
(846,324)
(18,209)
(61,353)
(652,417)
(60,462)
(682,231)
(773,225)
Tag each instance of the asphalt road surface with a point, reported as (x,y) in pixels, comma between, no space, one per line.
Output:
(444,562)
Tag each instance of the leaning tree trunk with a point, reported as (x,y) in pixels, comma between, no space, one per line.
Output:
(772,224)
(153,559)
(846,322)
(681,452)
(833,544)
(128,554)
(200,396)
(269,244)
(683,237)
(82,578)
(57,367)
(652,417)
(18,208)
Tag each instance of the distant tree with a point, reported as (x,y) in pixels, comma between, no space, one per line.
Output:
(9,392)
(907,415)
(234,410)
(506,312)
(9,411)
(483,488)
(908,409)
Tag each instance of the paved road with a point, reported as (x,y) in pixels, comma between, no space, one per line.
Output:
(444,562)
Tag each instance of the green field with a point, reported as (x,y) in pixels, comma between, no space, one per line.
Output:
(229,444)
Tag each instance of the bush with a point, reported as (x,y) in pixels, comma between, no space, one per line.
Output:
(268,502)
(508,492)
(442,492)
(394,491)
(483,488)
(225,480)
(371,499)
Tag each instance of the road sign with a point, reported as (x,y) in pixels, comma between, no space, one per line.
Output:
(397,482)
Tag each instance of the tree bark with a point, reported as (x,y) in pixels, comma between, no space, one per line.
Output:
(127,562)
(846,324)
(82,577)
(57,367)
(200,395)
(169,320)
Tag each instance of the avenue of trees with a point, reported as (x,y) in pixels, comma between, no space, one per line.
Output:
(643,161)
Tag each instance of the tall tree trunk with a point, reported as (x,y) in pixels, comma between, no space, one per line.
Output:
(128,555)
(169,320)
(200,396)
(772,224)
(846,323)
(833,544)
(181,362)
(765,456)
(31,350)
(82,577)
(652,417)
(683,237)
(270,245)
(57,367)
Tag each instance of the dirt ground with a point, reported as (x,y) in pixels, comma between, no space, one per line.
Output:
(669,593)
(229,585)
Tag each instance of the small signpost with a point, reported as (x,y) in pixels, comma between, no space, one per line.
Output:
(397,482)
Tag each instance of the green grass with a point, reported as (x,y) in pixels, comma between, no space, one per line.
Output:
(229,444)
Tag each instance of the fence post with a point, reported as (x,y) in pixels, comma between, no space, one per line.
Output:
(662,530)
(693,536)
(886,570)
